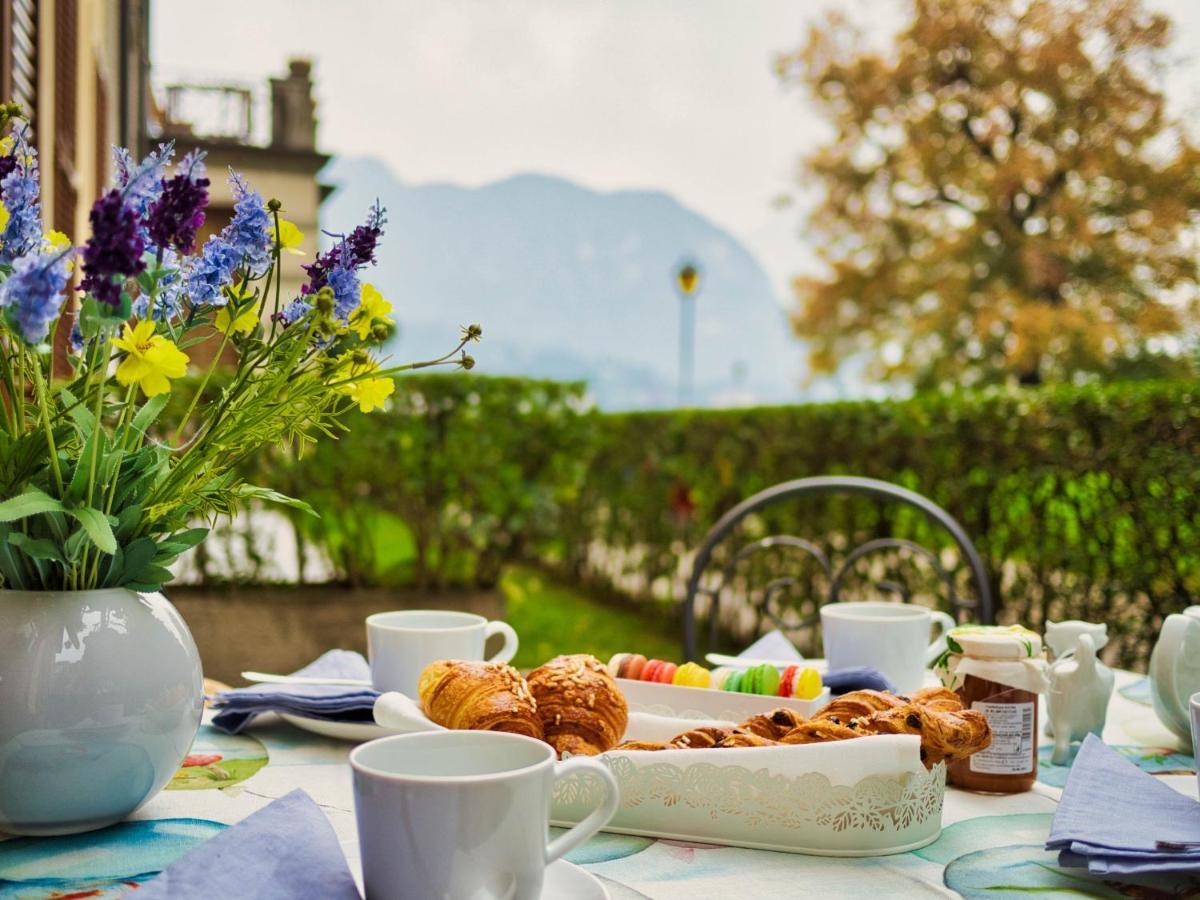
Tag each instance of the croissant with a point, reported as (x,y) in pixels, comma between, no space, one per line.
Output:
(480,696)
(944,735)
(938,698)
(772,725)
(644,745)
(581,708)
(745,739)
(701,738)
(856,705)
(817,731)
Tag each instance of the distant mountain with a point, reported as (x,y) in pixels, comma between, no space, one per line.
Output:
(571,283)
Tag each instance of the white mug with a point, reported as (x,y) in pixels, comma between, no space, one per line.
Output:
(463,815)
(890,637)
(1194,705)
(401,644)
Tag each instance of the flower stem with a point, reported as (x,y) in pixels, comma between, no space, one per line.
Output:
(204,383)
(40,387)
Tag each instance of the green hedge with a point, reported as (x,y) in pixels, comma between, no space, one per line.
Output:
(458,477)
(1083,501)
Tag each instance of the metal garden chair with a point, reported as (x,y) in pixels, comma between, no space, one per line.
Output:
(765,603)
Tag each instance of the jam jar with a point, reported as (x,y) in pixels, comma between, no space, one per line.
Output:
(998,671)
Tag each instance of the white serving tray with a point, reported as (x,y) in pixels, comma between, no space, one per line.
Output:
(705,703)
(869,796)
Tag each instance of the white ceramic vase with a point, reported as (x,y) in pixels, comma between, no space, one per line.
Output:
(101,695)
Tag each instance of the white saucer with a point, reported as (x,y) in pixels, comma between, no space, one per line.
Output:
(342,731)
(566,881)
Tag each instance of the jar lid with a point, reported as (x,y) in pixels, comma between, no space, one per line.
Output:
(994,641)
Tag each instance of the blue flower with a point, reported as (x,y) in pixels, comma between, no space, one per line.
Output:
(32,296)
(19,192)
(249,229)
(141,185)
(243,243)
(344,282)
(294,312)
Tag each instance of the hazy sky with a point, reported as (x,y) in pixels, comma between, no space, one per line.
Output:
(676,95)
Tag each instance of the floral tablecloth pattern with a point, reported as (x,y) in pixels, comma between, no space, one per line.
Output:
(991,846)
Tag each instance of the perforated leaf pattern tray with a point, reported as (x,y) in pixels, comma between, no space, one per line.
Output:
(865,797)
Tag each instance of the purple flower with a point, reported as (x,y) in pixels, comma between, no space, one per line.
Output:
(178,213)
(19,191)
(114,251)
(32,296)
(355,251)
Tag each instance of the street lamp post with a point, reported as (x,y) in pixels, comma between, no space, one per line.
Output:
(687,285)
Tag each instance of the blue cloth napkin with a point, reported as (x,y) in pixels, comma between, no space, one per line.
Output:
(775,645)
(1112,813)
(285,851)
(319,701)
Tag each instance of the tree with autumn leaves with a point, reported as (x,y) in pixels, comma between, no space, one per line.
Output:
(1005,198)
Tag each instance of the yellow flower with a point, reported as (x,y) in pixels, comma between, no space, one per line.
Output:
(368,393)
(243,324)
(55,241)
(371,306)
(151,361)
(290,237)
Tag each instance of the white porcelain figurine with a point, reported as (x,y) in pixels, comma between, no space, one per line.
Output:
(1080,685)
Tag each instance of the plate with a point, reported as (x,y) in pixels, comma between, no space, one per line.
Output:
(342,731)
(566,881)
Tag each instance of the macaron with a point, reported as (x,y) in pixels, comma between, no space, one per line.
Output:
(627,665)
(808,684)
(733,681)
(692,675)
(767,681)
(787,681)
(654,668)
(720,675)
(666,673)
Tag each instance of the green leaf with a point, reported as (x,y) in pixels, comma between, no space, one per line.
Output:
(94,447)
(79,413)
(251,492)
(95,523)
(36,548)
(28,504)
(138,555)
(149,412)
(189,538)
(152,574)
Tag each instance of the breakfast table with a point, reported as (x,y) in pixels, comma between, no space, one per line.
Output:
(990,846)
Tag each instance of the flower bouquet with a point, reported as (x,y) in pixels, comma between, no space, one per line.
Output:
(100,681)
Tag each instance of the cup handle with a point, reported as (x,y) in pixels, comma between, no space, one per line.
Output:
(596,819)
(944,622)
(509,650)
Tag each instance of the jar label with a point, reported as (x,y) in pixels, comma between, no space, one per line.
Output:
(1011,751)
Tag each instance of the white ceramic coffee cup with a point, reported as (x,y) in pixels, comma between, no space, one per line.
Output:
(1194,706)
(401,644)
(891,637)
(463,815)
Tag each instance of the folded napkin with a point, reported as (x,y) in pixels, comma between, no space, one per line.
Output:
(1112,813)
(286,850)
(774,645)
(317,701)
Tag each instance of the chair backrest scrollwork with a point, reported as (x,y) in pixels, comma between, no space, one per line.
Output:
(767,606)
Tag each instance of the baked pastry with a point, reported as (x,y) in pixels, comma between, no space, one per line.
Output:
(945,735)
(857,705)
(818,731)
(937,698)
(481,696)
(773,725)
(644,745)
(582,710)
(701,738)
(738,738)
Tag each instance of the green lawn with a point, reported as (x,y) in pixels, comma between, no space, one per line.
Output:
(553,618)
